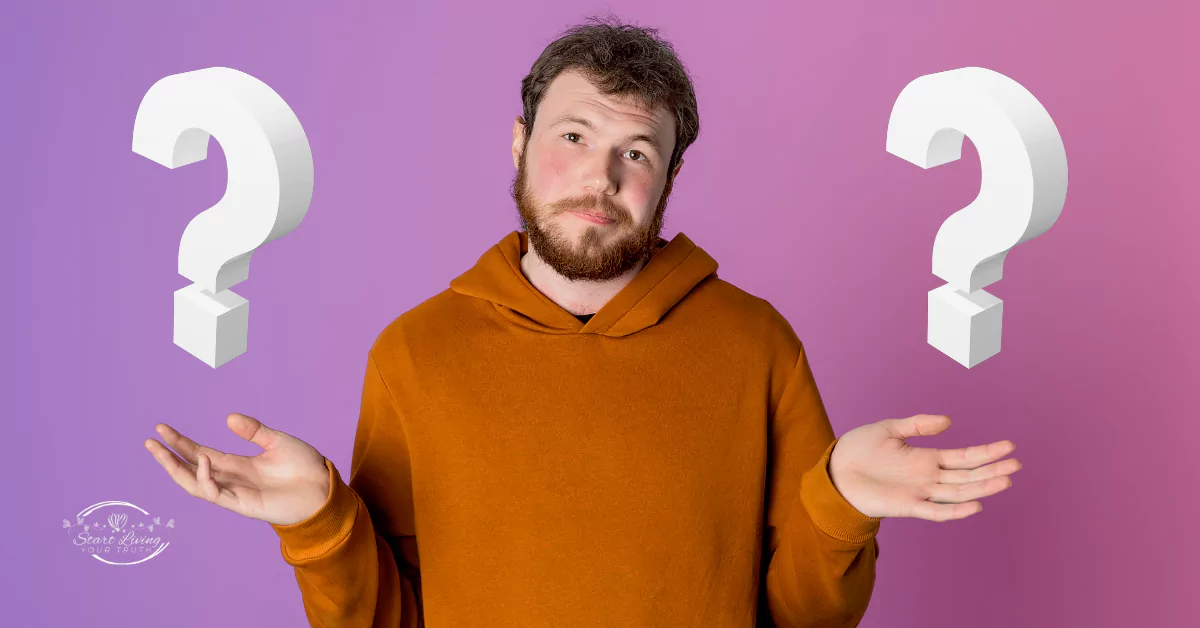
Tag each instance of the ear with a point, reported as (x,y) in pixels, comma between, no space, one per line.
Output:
(518,141)
(677,167)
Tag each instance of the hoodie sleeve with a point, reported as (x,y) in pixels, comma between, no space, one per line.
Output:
(353,573)
(820,551)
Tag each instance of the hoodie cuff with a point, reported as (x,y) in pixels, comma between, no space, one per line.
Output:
(325,529)
(830,512)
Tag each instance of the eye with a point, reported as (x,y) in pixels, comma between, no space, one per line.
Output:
(640,153)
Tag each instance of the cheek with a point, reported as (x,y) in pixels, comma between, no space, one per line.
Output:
(642,192)
(551,169)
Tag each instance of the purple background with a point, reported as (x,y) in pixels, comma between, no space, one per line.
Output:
(409,111)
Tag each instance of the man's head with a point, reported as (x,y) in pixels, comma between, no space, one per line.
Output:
(640,113)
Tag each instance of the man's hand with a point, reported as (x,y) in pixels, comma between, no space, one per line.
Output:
(883,476)
(284,484)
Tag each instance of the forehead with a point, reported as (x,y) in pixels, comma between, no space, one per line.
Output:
(572,94)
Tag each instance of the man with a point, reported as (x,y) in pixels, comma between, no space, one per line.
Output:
(589,427)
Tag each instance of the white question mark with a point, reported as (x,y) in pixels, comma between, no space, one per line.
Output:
(1022,191)
(270,172)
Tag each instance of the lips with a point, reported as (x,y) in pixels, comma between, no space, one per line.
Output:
(593,215)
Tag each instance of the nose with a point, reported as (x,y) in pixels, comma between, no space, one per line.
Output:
(599,175)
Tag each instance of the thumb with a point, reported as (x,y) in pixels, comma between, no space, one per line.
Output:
(919,425)
(251,429)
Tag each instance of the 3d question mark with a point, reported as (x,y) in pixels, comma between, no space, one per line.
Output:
(270,183)
(1022,191)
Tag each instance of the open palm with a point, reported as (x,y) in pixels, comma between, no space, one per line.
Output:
(284,484)
(881,475)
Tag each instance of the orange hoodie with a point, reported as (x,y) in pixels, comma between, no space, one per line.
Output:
(662,464)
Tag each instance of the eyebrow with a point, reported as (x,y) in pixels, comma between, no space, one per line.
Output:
(584,122)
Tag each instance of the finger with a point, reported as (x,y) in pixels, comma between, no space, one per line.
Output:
(945,512)
(209,491)
(1004,467)
(186,447)
(917,425)
(252,430)
(959,493)
(971,457)
(180,471)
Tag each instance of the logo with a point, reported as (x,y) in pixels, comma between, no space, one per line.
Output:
(118,533)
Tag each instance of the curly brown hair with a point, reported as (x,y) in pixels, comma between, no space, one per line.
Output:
(620,60)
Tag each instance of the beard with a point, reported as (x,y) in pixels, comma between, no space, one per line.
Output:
(601,252)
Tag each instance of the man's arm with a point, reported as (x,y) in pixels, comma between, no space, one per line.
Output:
(349,573)
(819,551)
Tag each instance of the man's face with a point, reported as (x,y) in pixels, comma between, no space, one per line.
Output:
(569,167)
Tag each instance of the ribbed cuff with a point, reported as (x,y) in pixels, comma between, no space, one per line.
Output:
(327,528)
(831,513)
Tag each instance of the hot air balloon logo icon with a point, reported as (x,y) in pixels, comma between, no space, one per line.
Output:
(118,533)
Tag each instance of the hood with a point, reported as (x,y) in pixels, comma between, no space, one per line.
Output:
(673,269)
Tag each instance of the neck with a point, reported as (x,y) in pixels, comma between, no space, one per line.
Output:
(576,297)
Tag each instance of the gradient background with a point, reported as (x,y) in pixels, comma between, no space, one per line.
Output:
(409,111)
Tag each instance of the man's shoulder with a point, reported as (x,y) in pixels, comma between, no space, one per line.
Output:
(433,316)
(774,332)
(721,293)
